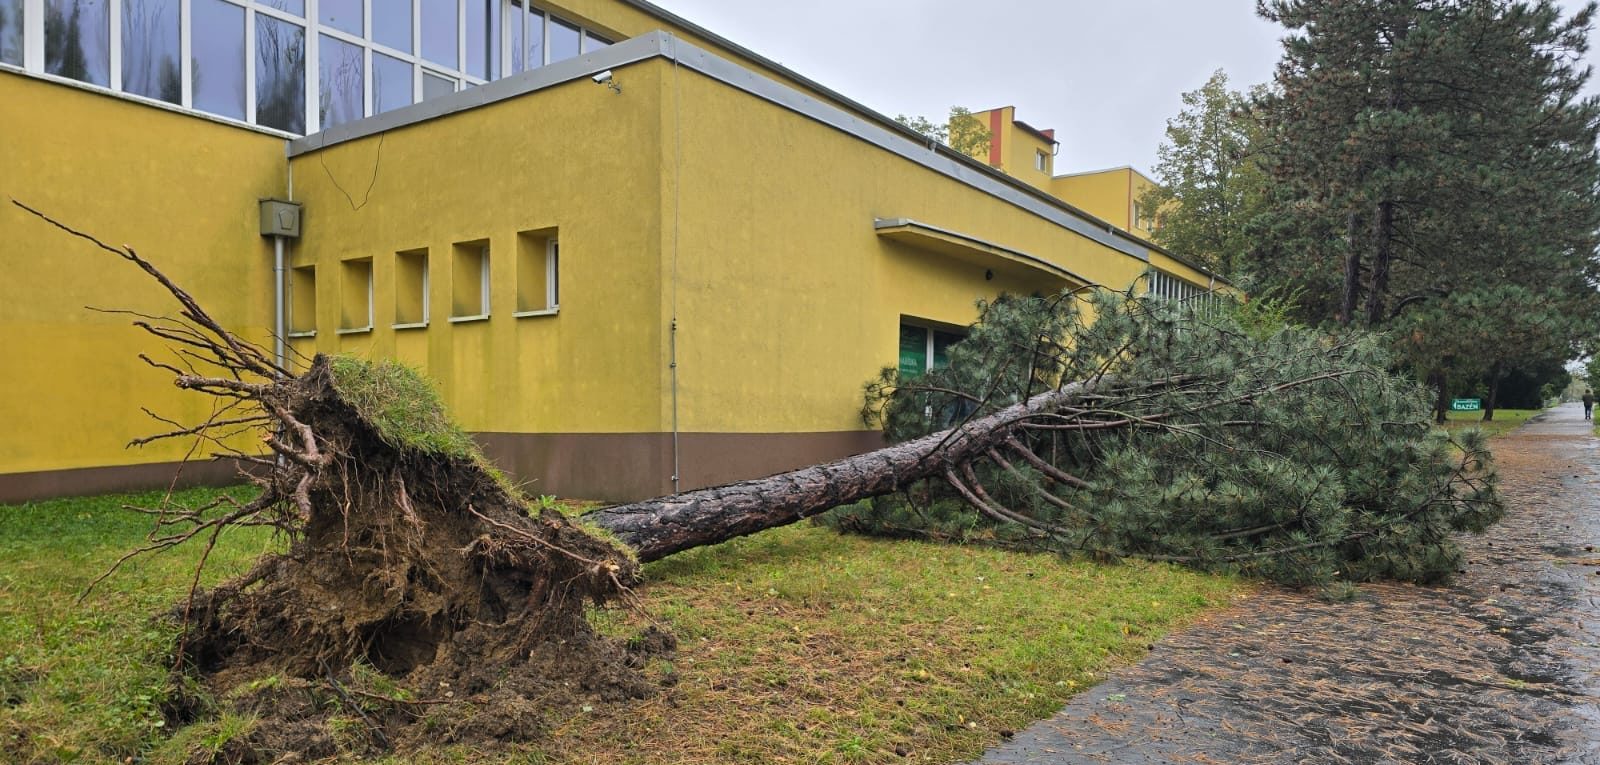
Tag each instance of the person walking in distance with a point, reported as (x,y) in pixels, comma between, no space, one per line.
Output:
(1588,404)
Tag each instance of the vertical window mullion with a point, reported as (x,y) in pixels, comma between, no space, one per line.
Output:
(33,35)
(416,51)
(250,65)
(544,44)
(313,73)
(185,56)
(461,35)
(927,363)
(114,46)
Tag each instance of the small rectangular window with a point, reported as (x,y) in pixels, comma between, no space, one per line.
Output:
(411,289)
(538,273)
(355,295)
(303,300)
(1041,161)
(470,281)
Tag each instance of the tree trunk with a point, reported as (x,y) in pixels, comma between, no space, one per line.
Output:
(1352,272)
(660,527)
(1382,256)
(1494,392)
(1441,404)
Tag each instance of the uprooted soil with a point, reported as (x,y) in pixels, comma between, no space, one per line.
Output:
(421,602)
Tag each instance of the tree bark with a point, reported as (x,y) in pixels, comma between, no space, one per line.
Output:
(1352,272)
(1495,374)
(660,527)
(1441,404)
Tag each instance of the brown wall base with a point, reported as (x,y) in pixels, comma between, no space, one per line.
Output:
(83,482)
(622,467)
(611,467)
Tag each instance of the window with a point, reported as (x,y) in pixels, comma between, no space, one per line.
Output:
(302,301)
(538,273)
(1165,286)
(1041,161)
(355,296)
(150,50)
(11,24)
(371,55)
(470,282)
(77,40)
(411,289)
(924,348)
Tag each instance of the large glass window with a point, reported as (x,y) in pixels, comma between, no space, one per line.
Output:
(150,49)
(564,40)
(343,15)
(515,24)
(434,86)
(342,78)
(11,32)
(535,40)
(77,40)
(295,7)
(483,40)
(216,59)
(391,24)
(392,83)
(372,55)
(440,32)
(280,75)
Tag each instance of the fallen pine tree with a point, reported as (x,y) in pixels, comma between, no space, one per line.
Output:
(1145,432)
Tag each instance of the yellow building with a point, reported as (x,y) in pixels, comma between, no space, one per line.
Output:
(635,256)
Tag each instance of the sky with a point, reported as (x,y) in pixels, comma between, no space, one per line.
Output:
(1105,75)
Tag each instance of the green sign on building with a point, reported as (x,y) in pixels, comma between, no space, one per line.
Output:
(1466,405)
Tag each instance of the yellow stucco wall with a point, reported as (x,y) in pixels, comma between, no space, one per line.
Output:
(575,160)
(788,300)
(1106,194)
(182,191)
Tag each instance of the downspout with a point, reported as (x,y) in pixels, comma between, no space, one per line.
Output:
(277,302)
(677,207)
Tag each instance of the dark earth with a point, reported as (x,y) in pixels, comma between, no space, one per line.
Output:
(1500,666)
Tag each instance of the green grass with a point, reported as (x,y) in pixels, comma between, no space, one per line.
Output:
(796,645)
(1505,420)
(401,405)
(85,681)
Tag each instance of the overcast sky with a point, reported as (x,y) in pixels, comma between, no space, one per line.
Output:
(1105,75)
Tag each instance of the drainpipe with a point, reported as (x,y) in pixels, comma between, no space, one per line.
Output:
(280,220)
(277,301)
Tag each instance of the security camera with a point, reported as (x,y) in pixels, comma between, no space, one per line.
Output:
(603,77)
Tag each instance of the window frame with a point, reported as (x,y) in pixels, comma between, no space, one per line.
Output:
(312,30)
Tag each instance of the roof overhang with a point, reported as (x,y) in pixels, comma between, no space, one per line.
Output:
(970,249)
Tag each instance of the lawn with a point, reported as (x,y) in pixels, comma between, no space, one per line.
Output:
(1505,420)
(796,645)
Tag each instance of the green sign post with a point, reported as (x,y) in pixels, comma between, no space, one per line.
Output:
(1466,405)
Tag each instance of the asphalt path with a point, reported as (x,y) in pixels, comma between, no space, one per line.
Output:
(1500,666)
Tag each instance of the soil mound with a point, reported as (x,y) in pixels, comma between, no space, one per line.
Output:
(420,599)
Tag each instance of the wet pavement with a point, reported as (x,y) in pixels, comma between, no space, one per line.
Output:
(1500,666)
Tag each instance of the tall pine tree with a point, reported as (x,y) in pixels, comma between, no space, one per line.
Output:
(1432,169)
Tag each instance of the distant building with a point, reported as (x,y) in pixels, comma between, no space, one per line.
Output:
(635,255)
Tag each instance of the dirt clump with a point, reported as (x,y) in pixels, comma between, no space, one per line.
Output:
(421,600)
